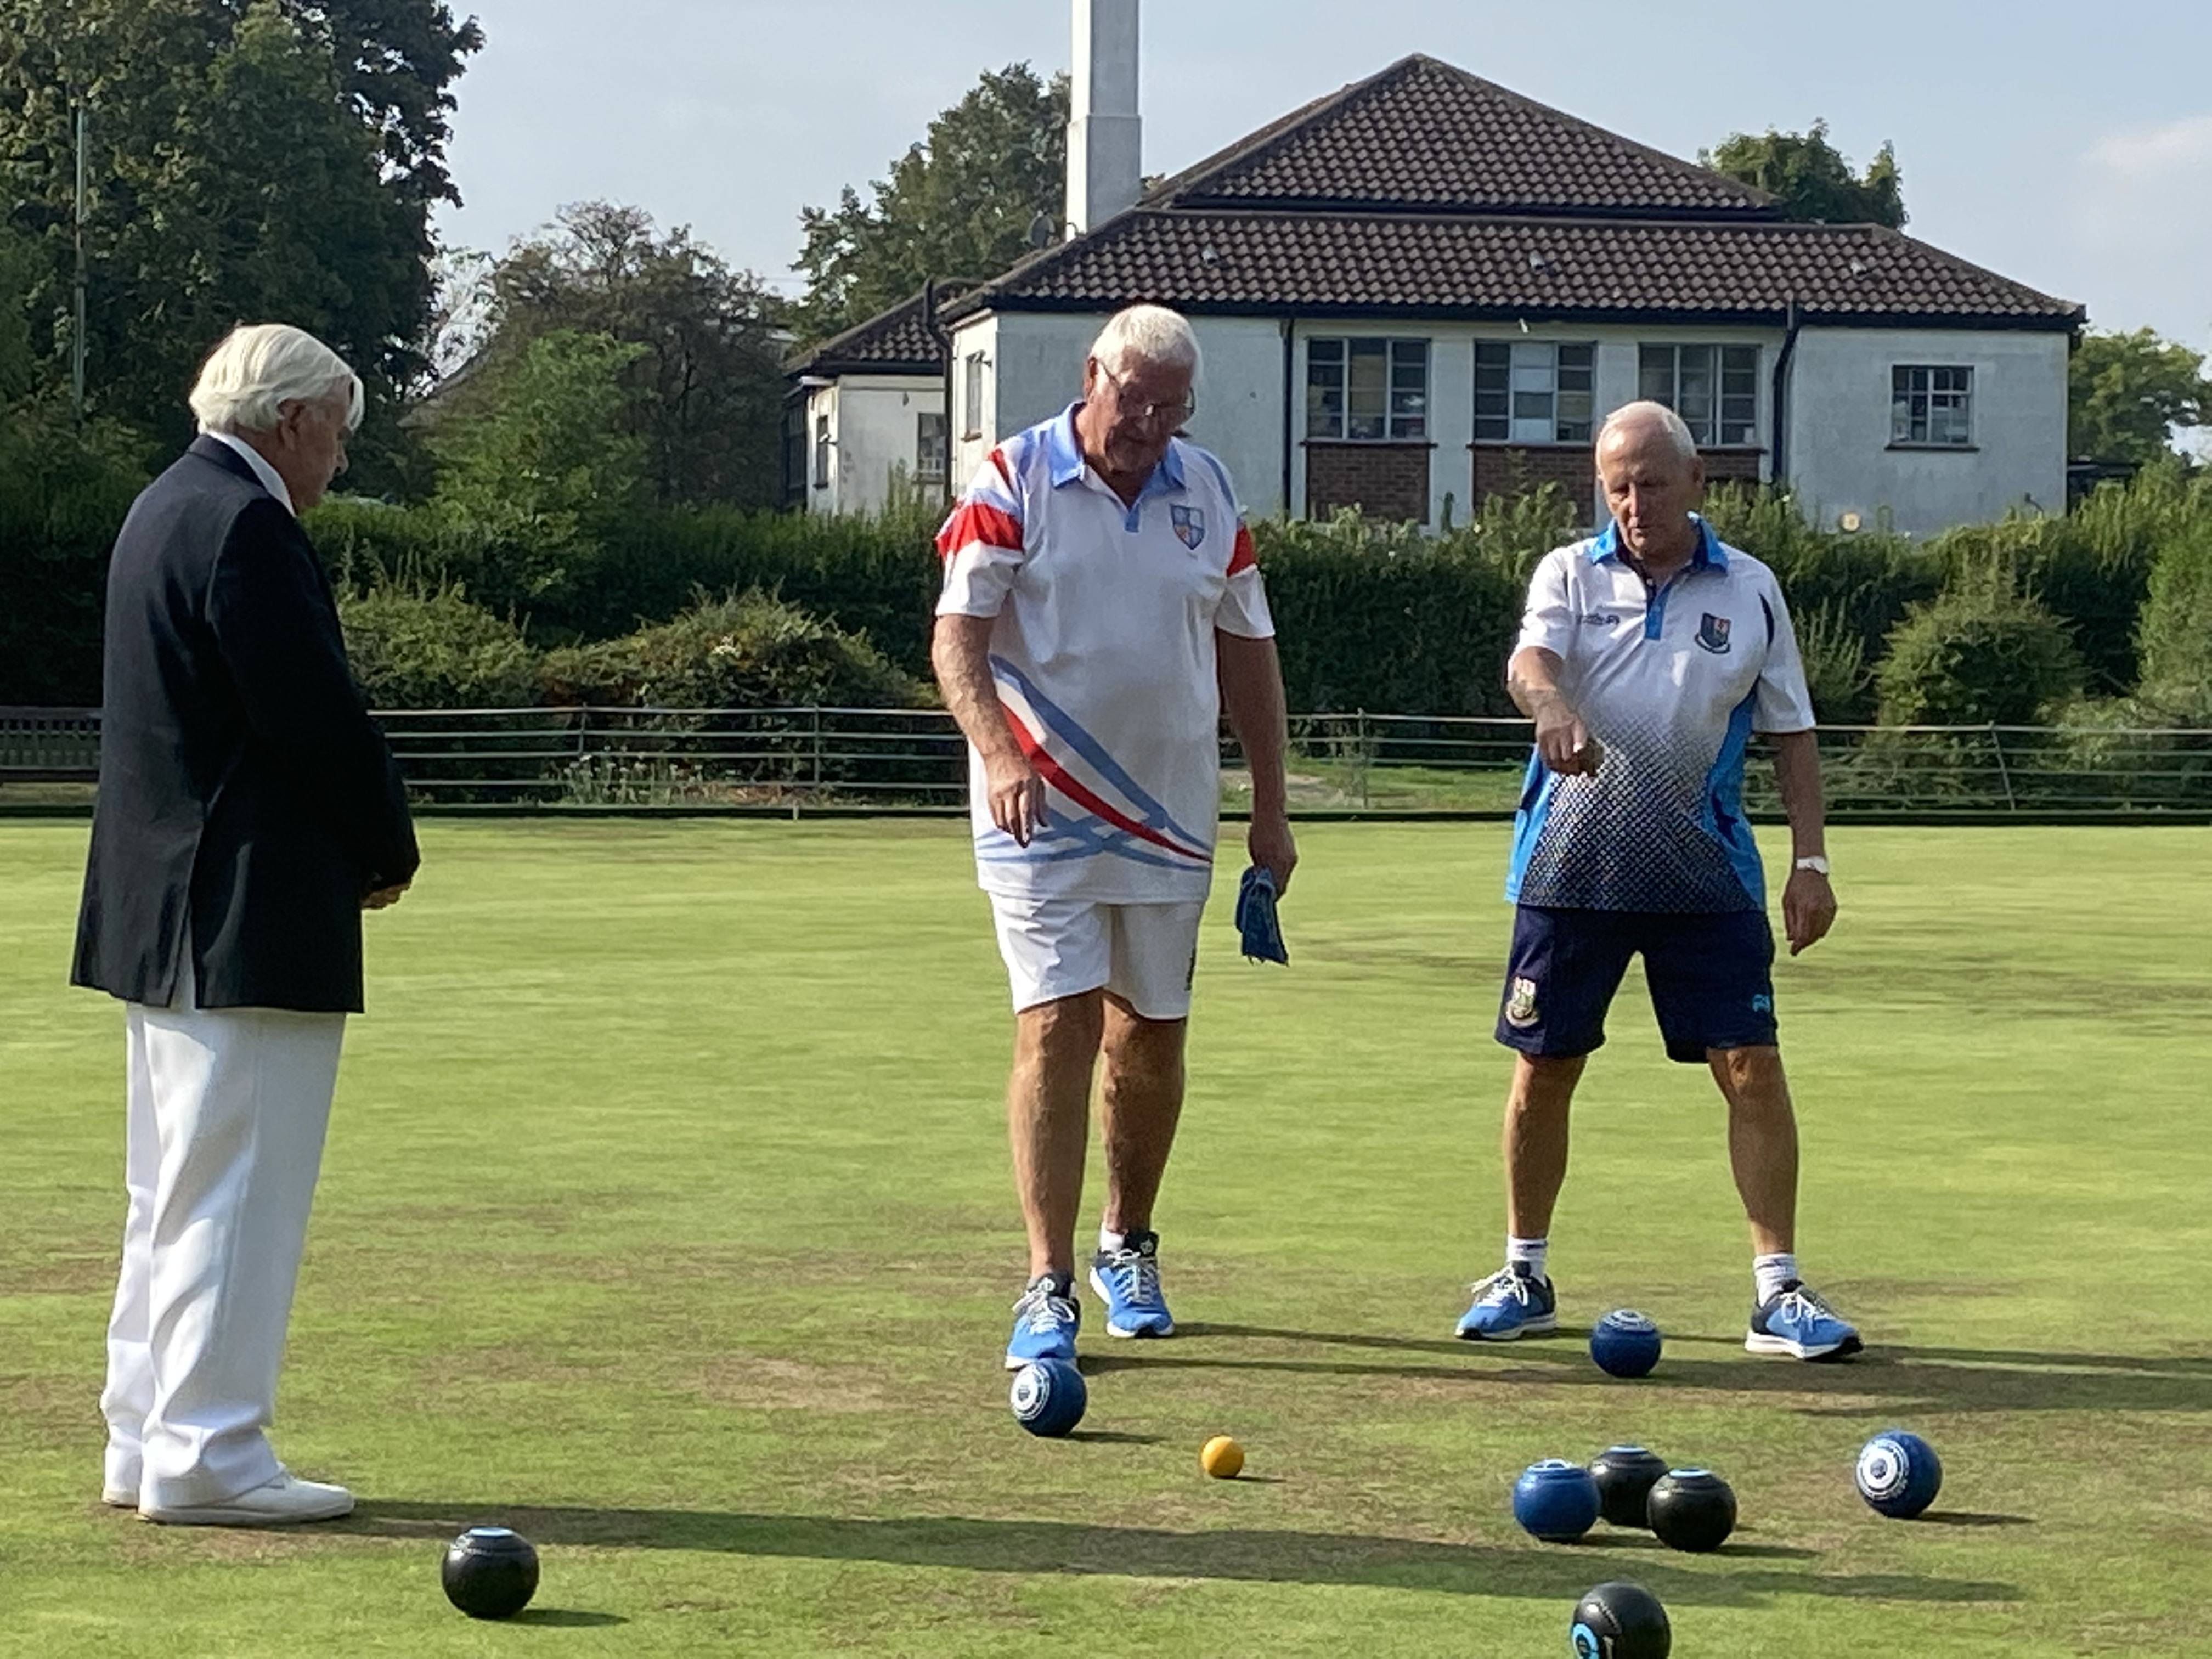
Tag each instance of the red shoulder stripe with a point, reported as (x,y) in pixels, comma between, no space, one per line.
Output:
(979,522)
(999,460)
(1241,555)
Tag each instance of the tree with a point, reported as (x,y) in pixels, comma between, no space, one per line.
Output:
(250,161)
(1812,178)
(706,384)
(542,464)
(960,204)
(2126,394)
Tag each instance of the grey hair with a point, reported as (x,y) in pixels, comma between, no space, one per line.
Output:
(1150,334)
(259,367)
(1654,414)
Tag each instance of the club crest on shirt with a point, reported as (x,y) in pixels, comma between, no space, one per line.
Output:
(1713,634)
(1189,526)
(1521,1003)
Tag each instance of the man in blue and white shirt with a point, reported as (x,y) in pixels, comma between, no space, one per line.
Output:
(1648,657)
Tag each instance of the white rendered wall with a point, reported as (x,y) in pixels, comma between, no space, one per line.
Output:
(873,430)
(1840,459)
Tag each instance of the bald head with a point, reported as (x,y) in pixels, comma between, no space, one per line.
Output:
(1653,477)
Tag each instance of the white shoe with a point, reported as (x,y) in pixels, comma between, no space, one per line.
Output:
(281,1502)
(119,1497)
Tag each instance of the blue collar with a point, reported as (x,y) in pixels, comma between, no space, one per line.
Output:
(1711,553)
(1066,455)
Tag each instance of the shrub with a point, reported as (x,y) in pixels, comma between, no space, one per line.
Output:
(1980,653)
(2175,634)
(748,650)
(435,650)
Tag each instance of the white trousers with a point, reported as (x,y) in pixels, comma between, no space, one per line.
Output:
(227,1112)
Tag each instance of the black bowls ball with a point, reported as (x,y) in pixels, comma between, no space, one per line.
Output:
(1624,1477)
(1620,1621)
(1692,1510)
(490,1572)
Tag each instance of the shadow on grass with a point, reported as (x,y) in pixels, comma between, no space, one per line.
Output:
(1729,1577)
(565,1617)
(1925,1378)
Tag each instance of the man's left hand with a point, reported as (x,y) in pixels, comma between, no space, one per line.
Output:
(383,897)
(1272,848)
(1809,908)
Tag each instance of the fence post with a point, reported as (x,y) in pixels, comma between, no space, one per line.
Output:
(1997,744)
(1365,761)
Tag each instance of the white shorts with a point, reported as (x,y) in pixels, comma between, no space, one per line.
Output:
(1144,954)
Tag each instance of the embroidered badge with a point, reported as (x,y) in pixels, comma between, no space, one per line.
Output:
(1521,1004)
(1189,526)
(1713,634)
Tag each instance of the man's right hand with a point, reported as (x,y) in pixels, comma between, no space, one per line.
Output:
(382,898)
(1015,794)
(1562,742)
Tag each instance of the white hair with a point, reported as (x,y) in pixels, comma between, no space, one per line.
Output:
(1150,334)
(261,367)
(1653,414)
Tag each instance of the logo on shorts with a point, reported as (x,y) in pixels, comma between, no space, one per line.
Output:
(1521,1003)
(1762,1004)
(1713,634)
(1189,526)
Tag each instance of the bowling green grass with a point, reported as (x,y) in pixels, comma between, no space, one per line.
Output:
(666,1219)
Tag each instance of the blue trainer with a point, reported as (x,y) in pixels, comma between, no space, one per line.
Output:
(1798,1323)
(1128,1281)
(1512,1302)
(1045,1322)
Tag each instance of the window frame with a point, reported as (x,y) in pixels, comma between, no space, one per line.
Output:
(1714,427)
(823,445)
(971,403)
(1531,370)
(1397,405)
(1912,387)
(933,460)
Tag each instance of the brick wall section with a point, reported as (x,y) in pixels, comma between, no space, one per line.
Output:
(1732,465)
(1383,481)
(1511,470)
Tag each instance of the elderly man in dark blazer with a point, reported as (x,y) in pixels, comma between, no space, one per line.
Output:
(249,810)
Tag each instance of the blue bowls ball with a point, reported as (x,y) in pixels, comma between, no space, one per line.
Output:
(1899,1475)
(1625,1343)
(1048,1397)
(1555,1500)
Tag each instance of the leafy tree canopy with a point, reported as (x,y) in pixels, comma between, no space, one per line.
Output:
(704,384)
(2127,394)
(249,161)
(959,204)
(1812,178)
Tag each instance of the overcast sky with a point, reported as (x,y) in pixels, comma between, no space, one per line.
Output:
(2067,147)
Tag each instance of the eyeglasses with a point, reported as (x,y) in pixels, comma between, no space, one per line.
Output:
(1150,414)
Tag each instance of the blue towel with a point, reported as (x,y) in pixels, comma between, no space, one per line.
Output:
(1256,917)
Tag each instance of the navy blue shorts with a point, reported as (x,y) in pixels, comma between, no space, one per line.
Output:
(1711,979)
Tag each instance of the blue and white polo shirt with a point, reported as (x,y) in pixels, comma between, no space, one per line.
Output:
(1672,682)
(1102,651)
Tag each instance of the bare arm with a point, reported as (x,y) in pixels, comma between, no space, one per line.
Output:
(1252,697)
(960,651)
(1809,903)
(1562,742)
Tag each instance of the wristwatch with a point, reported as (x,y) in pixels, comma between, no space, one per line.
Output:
(1815,863)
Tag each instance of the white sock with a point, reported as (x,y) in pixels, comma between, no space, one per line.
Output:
(1770,1273)
(1530,1250)
(1111,1241)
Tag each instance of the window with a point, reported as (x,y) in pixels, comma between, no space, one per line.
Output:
(929,447)
(1533,391)
(1931,406)
(821,447)
(1715,389)
(974,404)
(1370,390)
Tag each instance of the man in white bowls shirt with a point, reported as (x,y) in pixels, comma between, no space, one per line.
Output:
(1102,611)
(1648,656)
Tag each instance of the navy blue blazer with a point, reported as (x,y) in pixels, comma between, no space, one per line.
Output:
(246,801)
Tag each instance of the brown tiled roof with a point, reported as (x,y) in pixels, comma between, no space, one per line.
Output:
(1425,137)
(893,342)
(1276,264)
